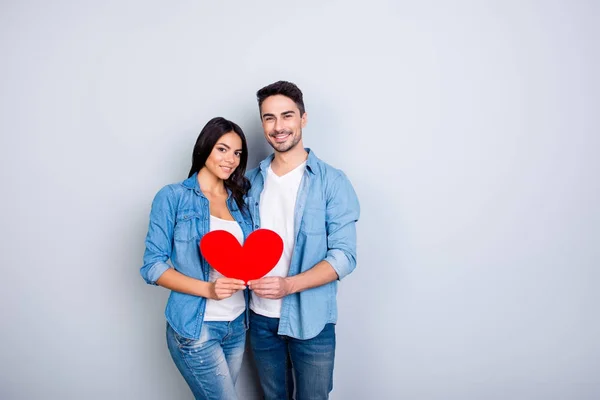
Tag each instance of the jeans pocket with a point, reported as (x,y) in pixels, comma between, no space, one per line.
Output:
(237,328)
(182,341)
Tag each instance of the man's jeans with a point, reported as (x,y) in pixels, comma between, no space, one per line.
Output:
(277,357)
(211,364)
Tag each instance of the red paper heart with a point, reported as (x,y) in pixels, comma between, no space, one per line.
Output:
(259,255)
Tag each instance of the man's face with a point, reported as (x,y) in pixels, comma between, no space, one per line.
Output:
(282,122)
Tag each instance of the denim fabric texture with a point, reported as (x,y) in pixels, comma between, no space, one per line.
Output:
(211,364)
(179,217)
(327,209)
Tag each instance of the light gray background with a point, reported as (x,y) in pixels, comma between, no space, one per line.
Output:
(470,132)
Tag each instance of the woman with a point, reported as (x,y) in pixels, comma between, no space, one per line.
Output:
(206,312)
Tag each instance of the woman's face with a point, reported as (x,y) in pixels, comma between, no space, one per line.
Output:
(225,156)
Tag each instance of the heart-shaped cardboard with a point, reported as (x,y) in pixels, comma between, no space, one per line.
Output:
(261,252)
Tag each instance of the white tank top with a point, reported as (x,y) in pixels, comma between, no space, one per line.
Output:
(232,307)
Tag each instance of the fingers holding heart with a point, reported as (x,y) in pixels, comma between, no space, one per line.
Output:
(259,254)
(223,288)
(273,287)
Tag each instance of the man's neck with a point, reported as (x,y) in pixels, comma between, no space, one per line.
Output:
(285,162)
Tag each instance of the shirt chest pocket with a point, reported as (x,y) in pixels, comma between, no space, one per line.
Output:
(188,227)
(313,221)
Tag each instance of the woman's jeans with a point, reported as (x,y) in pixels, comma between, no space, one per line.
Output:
(211,364)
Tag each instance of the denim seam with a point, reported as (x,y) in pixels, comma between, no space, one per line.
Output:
(289,395)
(228,334)
(200,313)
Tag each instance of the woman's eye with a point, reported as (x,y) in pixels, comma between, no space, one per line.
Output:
(221,149)
(238,154)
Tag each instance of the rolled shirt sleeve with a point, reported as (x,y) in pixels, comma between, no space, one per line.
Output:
(342,213)
(159,240)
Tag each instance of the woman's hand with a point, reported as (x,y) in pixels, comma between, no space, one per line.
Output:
(223,288)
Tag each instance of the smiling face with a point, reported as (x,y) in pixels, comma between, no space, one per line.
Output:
(282,123)
(225,156)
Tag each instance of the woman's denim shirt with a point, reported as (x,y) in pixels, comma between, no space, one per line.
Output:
(179,218)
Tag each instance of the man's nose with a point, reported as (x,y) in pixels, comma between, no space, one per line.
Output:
(279,125)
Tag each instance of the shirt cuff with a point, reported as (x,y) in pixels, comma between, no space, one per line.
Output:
(340,262)
(156,271)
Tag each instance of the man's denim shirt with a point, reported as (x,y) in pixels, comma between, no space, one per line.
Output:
(179,218)
(325,218)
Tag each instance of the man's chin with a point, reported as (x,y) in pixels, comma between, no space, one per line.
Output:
(283,147)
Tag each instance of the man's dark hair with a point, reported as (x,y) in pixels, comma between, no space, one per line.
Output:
(284,88)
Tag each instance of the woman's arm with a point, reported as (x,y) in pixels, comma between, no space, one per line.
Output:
(217,290)
(159,239)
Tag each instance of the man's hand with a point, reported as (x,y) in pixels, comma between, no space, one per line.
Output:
(223,288)
(271,287)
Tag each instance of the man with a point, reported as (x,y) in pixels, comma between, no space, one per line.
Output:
(314,208)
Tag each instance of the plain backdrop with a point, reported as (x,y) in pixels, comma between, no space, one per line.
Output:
(469,129)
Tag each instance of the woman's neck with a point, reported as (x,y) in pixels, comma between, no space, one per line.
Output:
(210,183)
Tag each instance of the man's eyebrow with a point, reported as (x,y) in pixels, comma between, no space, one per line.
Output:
(288,112)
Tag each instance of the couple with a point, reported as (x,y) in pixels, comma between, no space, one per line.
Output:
(291,312)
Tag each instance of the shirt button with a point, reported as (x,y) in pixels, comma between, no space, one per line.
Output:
(256,226)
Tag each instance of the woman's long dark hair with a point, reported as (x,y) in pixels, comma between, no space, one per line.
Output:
(210,134)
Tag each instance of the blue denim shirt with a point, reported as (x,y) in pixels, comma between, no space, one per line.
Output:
(179,218)
(325,217)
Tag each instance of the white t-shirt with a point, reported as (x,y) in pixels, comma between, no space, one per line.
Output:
(277,205)
(232,307)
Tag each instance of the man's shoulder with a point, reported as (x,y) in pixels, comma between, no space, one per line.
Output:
(336,185)
(328,172)
(334,181)
(252,173)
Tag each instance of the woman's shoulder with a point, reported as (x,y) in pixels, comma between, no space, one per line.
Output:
(173,192)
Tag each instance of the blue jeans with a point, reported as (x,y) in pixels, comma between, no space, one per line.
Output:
(211,364)
(286,364)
